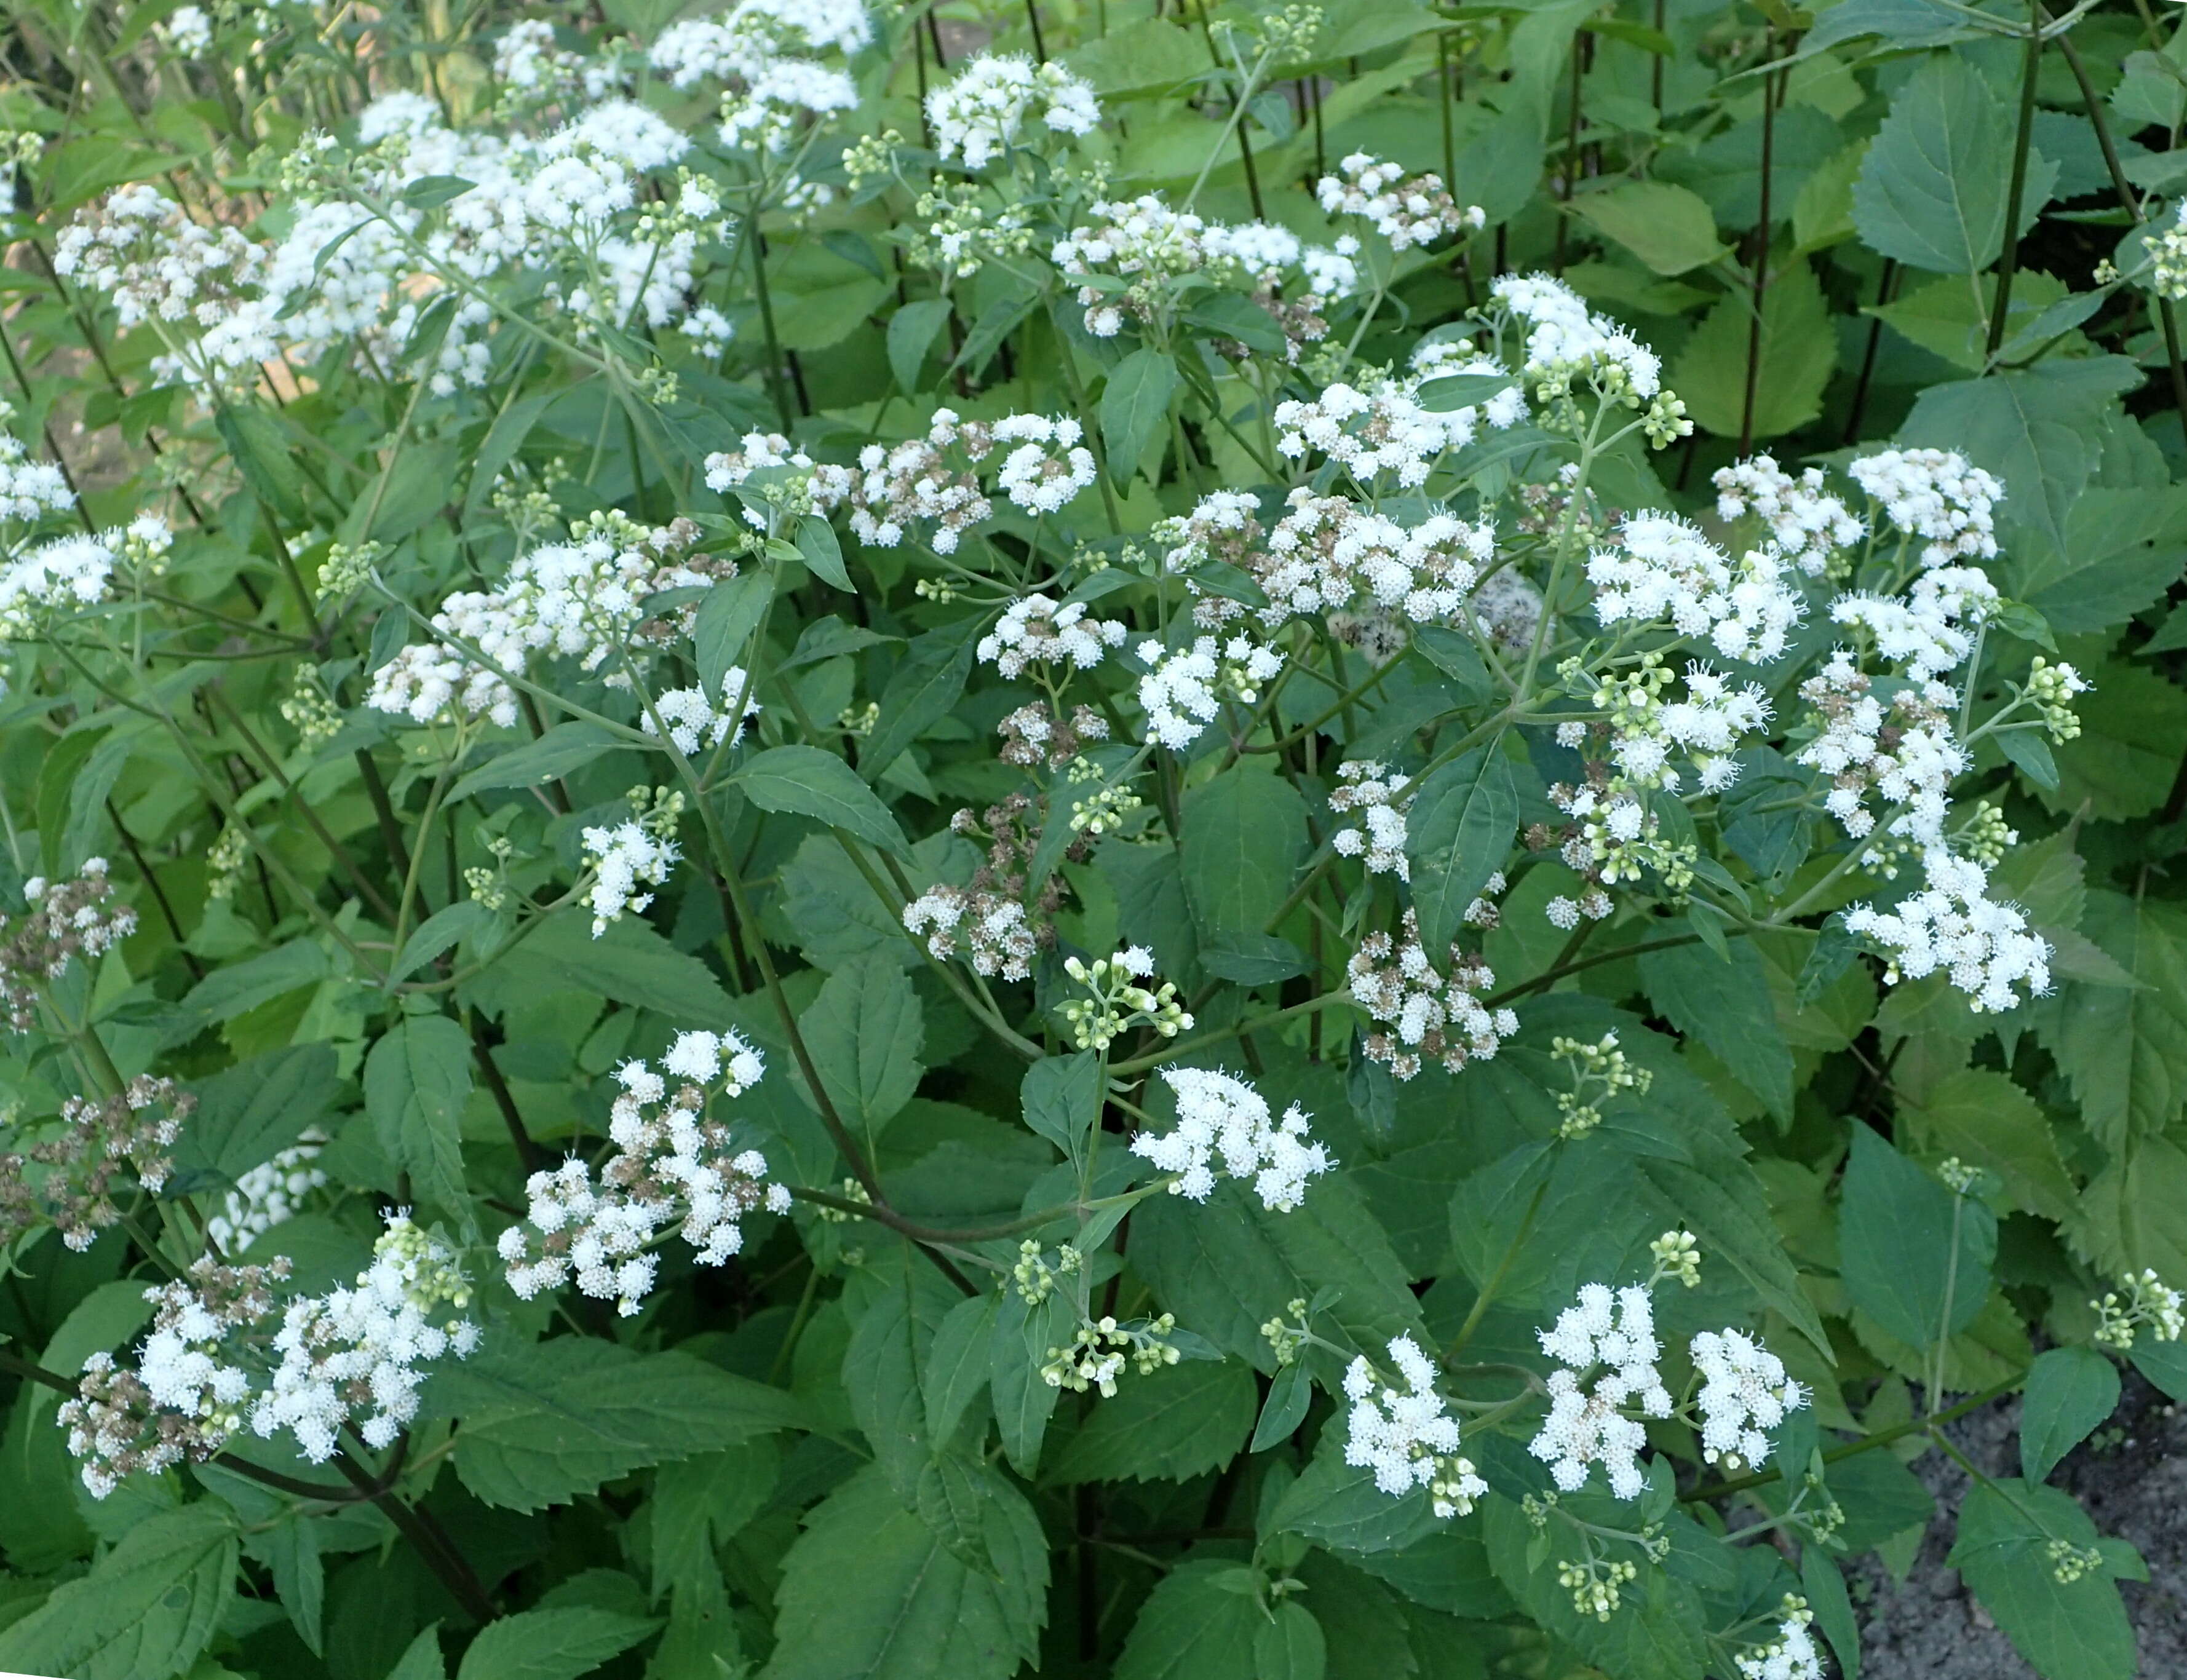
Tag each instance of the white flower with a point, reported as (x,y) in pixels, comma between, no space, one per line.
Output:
(268,1195)
(624,858)
(1372,789)
(1984,947)
(1036,629)
(1431,1015)
(62,576)
(188,31)
(1663,570)
(1221,1121)
(1809,525)
(1414,211)
(1792,1656)
(1744,1394)
(1184,688)
(1405,1436)
(693,720)
(1565,342)
(1936,496)
(977,112)
(1587,1426)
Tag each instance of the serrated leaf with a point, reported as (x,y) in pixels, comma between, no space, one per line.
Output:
(226,993)
(869,1590)
(811,783)
(442,931)
(921,693)
(1798,348)
(1338,1505)
(1668,227)
(1908,1247)
(1932,190)
(1457,834)
(725,622)
(1192,1628)
(146,1609)
(1061,1099)
(2069,1391)
(2068,1629)
(950,1498)
(864,1031)
(910,335)
(1988,1121)
(957,1363)
(566,747)
(1167,1426)
(249,1113)
(701,1503)
(1290,1645)
(1134,404)
(1244,836)
(888,1350)
(561,1644)
(629,964)
(1825,1589)
(545,1423)
(1723,1001)
(416,1080)
(2124,1052)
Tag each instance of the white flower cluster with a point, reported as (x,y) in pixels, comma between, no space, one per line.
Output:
(1565,344)
(694,721)
(1184,687)
(927,481)
(1985,947)
(1049,465)
(2168,258)
(1791,1655)
(999,939)
(1936,496)
(1744,1393)
(1405,1436)
(268,1195)
(1664,570)
(64,576)
(29,490)
(1432,1015)
(624,861)
(188,31)
(1328,554)
(1647,733)
(768,52)
(1370,433)
(1035,629)
(977,114)
(352,1355)
(579,601)
(1585,1426)
(673,1165)
(1407,211)
(1128,260)
(1222,1122)
(1916,767)
(1810,525)
(1930,630)
(1366,786)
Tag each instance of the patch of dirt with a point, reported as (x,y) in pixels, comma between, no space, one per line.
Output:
(2131,1477)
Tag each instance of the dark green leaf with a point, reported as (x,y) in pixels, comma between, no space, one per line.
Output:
(566,747)
(416,1080)
(822,553)
(1177,1423)
(144,1610)
(1458,833)
(864,1031)
(920,693)
(1133,407)
(1061,1099)
(1907,1246)
(1193,1628)
(550,1644)
(1245,833)
(2068,1629)
(911,333)
(2069,1391)
(1290,1645)
(1284,1410)
(1724,1002)
(249,1113)
(811,783)
(430,192)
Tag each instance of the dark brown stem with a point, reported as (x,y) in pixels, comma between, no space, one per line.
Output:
(1868,360)
(432,1541)
(1760,261)
(528,1152)
(383,812)
(2009,258)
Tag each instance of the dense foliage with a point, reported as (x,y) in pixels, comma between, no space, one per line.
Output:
(923,841)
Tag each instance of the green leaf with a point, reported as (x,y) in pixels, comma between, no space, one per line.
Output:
(1825,1589)
(822,553)
(1168,1426)
(259,449)
(1669,228)
(911,333)
(864,1031)
(249,1113)
(430,192)
(416,1081)
(1193,1627)
(423,1660)
(2120,765)
(1024,1402)
(628,963)
(1285,1409)
(1133,407)
(870,1590)
(1290,1644)
(226,993)
(921,693)
(2123,549)
(1725,1003)
(2124,1052)
(1906,1245)
(1457,834)
(950,1498)
(811,783)
(566,747)
(300,1578)
(2069,1391)
(725,619)
(890,1342)
(701,1502)
(1989,1122)
(1454,653)
(550,1644)
(957,1363)
(1655,1633)
(1447,393)
(1337,1505)
(1798,350)
(1932,192)
(1061,1099)
(145,1610)
(545,1423)
(440,932)
(2075,1630)
(1244,836)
